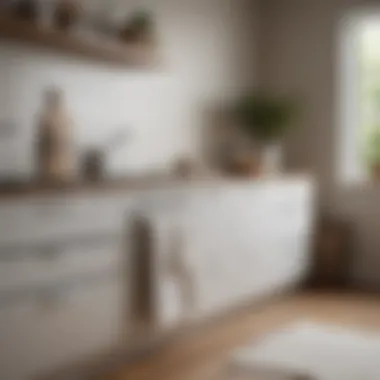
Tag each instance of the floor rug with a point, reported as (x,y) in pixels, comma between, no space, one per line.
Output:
(324,352)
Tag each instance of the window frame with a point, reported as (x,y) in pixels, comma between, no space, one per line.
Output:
(349,165)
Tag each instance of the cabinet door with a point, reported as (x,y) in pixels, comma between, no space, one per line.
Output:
(222,230)
(38,337)
(286,222)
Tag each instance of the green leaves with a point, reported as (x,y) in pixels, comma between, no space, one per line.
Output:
(372,146)
(265,117)
(141,21)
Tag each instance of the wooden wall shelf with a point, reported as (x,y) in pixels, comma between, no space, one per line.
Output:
(24,32)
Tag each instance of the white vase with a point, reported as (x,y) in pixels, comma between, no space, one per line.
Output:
(272,155)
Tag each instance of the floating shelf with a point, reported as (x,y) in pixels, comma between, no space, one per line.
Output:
(66,43)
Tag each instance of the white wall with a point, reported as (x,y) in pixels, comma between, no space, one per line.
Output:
(299,55)
(208,53)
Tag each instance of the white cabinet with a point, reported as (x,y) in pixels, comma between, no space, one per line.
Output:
(63,281)
(247,241)
(239,241)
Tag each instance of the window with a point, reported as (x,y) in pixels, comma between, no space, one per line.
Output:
(359,69)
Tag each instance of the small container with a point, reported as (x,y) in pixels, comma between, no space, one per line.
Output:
(183,168)
(66,14)
(54,143)
(93,165)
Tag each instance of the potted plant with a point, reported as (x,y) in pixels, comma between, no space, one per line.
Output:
(372,152)
(139,35)
(265,119)
(139,28)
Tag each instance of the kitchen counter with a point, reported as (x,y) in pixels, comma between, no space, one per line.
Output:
(69,252)
(20,190)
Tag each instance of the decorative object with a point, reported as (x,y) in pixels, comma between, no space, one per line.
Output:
(223,144)
(55,140)
(139,34)
(183,168)
(26,10)
(66,14)
(245,163)
(139,28)
(265,119)
(94,160)
(372,152)
(93,165)
(332,253)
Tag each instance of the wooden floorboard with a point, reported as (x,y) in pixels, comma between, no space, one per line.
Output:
(181,358)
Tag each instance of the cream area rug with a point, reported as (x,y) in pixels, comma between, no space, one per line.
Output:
(323,352)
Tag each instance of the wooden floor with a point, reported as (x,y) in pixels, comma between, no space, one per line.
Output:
(181,358)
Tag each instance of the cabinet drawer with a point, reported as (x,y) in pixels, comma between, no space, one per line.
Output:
(38,338)
(62,263)
(37,219)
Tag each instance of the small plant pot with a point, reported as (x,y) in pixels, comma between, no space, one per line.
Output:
(66,15)
(246,165)
(254,168)
(271,159)
(183,168)
(93,165)
(141,45)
